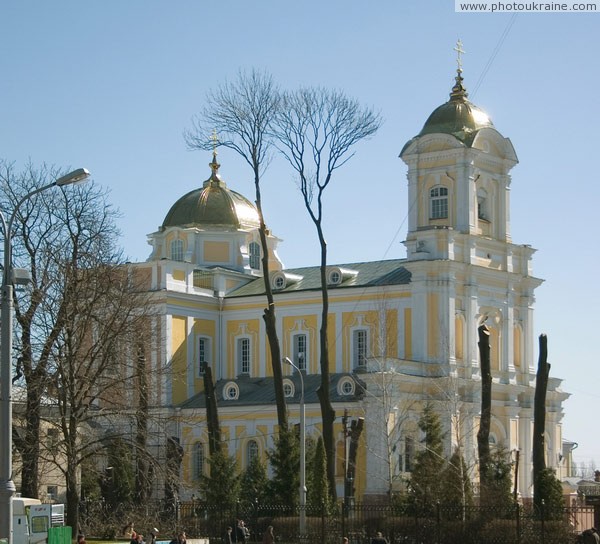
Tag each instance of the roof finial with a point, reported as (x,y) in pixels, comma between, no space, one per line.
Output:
(214,165)
(458,91)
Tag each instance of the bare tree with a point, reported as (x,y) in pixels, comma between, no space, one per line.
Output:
(78,326)
(317,130)
(242,114)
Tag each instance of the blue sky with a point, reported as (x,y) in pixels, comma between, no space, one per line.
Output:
(112,85)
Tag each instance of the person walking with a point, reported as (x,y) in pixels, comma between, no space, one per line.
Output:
(269,537)
(379,538)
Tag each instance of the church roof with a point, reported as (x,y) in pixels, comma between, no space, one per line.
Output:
(368,274)
(260,390)
(213,205)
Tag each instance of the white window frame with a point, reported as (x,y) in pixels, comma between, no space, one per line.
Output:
(288,388)
(254,255)
(243,355)
(300,352)
(407,454)
(197,460)
(360,347)
(438,202)
(204,352)
(177,250)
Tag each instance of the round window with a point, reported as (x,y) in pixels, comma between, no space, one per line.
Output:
(231,391)
(347,387)
(279,282)
(288,389)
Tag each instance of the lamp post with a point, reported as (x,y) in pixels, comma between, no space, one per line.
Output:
(10,277)
(302,517)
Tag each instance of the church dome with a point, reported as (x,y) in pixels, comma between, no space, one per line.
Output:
(213,205)
(458,116)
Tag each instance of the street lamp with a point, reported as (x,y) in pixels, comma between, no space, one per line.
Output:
(302,517)
(14,276)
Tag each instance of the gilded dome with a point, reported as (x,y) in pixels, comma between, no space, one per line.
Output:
(213,205)
(458,116)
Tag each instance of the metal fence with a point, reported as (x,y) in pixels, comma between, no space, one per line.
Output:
(400,524)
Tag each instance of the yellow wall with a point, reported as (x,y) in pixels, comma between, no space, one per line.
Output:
(433,335)
(178,357)
(179,275)
(216,252)
(459,341)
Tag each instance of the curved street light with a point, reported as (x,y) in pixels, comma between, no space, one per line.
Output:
(302,516)
(10,277)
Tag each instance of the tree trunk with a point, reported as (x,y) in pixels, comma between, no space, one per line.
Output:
(142,481)
(212,416)
(30,454)
(72,503)
(539,417)
(269,313)
(327,411)
(483,435)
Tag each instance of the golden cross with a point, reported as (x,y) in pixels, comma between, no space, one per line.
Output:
(459,51)
(215,139)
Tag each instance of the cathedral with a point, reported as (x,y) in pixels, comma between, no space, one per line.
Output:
(402,332)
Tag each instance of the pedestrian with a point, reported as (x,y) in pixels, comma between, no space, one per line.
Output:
(241,532)
(140,539)
(345,540)
(179,539)
(590,536)
(269,537)
(133,537)
(153,535)
(80,538)
(378,538)
(228,536)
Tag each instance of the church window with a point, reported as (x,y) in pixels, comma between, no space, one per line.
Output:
(177,250)
(482,212)
(197,460)
(300,351)
(407,455)
(359,347)
(251,452)
(438,203)
(204,355)
(254,251)
(243,355)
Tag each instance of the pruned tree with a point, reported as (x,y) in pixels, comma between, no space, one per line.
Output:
(316,131)
(483,435)
(241,113)
(546,486)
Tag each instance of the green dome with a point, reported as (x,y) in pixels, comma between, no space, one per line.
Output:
(213,205)
(458,116)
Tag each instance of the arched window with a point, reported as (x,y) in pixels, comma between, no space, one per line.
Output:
(251,452)
(254,251)
(482,211)
(177,250)
(197,460)
(438,203)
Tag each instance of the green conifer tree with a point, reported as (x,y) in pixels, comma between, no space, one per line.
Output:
(317,482)
(456,486)
(284,458)
(222,485)
(426,484)
(254,484)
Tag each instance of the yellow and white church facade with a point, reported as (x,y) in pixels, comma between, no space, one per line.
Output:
(402,332)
